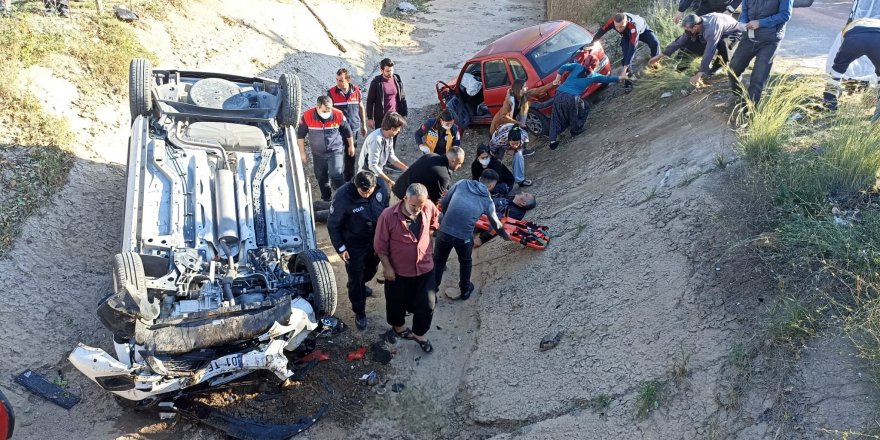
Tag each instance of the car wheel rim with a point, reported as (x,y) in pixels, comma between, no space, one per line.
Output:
(533,123)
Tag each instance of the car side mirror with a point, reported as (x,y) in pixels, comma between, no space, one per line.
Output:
(7,418)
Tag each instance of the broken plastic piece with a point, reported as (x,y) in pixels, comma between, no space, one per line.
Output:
(316,355)
(38,385)
(357,355)
(246,429)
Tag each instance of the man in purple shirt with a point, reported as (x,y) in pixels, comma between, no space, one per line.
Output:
(385,94)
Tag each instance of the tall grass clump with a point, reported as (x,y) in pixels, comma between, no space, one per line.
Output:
(767,127)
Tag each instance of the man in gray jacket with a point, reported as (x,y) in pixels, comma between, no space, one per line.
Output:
(705,35)
(462,206)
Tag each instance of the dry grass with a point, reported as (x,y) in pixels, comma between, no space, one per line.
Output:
(35,146)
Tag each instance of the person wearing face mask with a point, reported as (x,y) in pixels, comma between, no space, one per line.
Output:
(352,224)
(486,161)
(707,35)
(378,148)
(432,170)
(439,134)
(329,137)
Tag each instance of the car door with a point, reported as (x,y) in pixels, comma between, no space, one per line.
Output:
(496,82)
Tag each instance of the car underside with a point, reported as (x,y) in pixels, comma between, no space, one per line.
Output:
(219,272)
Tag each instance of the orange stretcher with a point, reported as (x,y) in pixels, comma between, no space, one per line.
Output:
(523,232)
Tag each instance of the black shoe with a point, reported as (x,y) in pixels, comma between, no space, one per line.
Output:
(528,152)
(554,145)
(465,294)
(361,322)
(368,292)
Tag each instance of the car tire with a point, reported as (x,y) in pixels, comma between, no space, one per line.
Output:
(140,76)
(537,123)
(128,300)
(291,100)
(323,283)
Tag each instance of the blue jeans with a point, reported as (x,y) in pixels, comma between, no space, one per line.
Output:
(328,172)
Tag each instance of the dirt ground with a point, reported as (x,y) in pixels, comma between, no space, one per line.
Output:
(644,278)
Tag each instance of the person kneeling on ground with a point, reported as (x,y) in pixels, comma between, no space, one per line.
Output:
(510,137)
(708,35)
(403,244)
(514,207)
(356,208)
(438,134)
(486,161)
(462,206)
(569,110)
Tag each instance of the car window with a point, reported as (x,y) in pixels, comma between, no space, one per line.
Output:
(557,50)
(495,74)
(519,72)
(474,69)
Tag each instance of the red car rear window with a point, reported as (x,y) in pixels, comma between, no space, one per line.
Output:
(558,49)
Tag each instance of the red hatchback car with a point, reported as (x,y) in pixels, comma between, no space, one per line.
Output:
(533,54)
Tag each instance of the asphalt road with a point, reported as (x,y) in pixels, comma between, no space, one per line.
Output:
(811,32)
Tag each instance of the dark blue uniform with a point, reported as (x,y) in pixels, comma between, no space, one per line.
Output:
(860,38)
(352,225)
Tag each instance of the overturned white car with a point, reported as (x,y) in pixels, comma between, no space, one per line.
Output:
(219,272)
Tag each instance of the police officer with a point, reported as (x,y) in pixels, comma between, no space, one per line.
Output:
(354,211)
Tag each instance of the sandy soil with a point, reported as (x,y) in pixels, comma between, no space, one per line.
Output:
(641,278)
